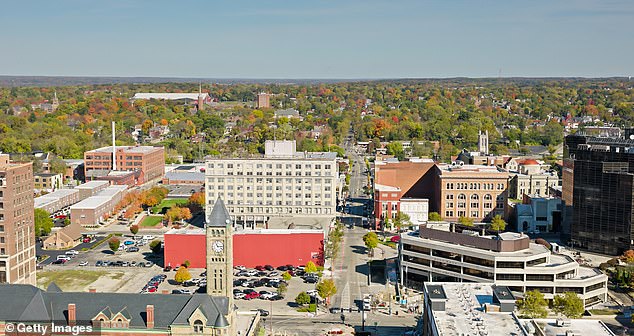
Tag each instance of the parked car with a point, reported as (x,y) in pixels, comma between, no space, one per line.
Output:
(83,263)
(99,263)
(282,268)
(238,296)
(269,267)
(253,295)
(239,267)
(311,280)
(71,253)
(189,283)
(59,262)
(259,268)
(133,249)
(86,240)
(312,292)
(151,289)
(247,291)
(128,242)
(63,257)
(276,298)
(167,268)
(237,290)
(274,274)
(132,264)
(263,312)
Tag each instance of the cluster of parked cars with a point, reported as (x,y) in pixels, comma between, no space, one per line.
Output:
(64,258)
(153,284)
(121,263)
(249,294)
(131,245)
(261,282)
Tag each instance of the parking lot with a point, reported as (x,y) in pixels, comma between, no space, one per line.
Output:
(284,306)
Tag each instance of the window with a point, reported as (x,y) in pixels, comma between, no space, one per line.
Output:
(198,326)
(448,213)
(449,196)
(462,196)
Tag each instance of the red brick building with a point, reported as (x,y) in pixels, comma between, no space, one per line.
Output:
(147,160)
(250,248)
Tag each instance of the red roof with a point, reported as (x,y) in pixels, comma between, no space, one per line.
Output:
(529,162)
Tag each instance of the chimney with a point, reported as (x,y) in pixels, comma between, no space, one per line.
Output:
(114,149)
(149,316)
(72,314)
(92,290)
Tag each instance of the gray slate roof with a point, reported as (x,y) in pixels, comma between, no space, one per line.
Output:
(219,216)
(28,303)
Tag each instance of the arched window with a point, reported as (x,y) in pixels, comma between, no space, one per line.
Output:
(487,197)
(474,197)
(462,197)
(198,326)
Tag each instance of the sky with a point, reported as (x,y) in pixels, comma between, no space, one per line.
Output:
(338,39)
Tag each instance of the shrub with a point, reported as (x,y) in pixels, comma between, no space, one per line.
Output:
(186,263)
(155,246)
(302,298)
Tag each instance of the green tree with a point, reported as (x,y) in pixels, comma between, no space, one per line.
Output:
(134,229)
(281,289)
(498,224)
(43,222)
(186,263)
(155,246)
(434,217)
(286,276)
(401,219)
(371,241)
(182,275)
(114,244)
(302,298)
(396,148)
(569,304)
(310,267)
(465,221)
(326,288)
(533,305)
(66,222)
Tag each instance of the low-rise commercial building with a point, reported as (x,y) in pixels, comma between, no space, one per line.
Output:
(64,238)
(91,188)
(531,179)
(95,209)
(508,259)
(541,214)
(57,200)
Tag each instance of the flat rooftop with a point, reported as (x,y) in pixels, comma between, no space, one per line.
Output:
(464,313)
(579,327)
(127,149)
(92,184)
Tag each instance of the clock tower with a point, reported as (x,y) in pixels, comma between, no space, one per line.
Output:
(220,252)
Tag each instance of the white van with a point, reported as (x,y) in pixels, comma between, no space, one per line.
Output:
(63,257)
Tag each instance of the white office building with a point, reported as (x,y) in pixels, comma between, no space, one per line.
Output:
(282,183)
(508,259)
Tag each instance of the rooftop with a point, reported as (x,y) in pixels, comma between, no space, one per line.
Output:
(168,95)
(579,327)
(447,169)
(464,312)
(92,184)
(127,149)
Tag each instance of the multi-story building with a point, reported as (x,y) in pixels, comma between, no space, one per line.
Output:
(599,185)
(95,209)
(263,100)
(471,191)
(477,309)
(17,226)
(539,214)
(406,186)
(48,181)
(531,179)
(508,259)
(148,160)
(57,200)
(283,182)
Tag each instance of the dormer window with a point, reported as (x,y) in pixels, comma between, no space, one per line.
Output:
(198,326)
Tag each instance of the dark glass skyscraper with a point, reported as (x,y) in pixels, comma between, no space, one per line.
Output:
(598,183)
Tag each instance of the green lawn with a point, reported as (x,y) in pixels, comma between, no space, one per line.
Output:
(151,220)
(168,203)
(604,311)
(72,279)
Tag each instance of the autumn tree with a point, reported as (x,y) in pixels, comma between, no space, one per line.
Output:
(177,214)
(434,217)
(134,229)
(628,256)
(326,288)
(310,267)
(466,221)
(498,224)
(182,274)
(114,244)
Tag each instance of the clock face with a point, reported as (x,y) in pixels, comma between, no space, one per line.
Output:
(217,246)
